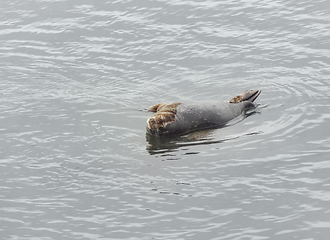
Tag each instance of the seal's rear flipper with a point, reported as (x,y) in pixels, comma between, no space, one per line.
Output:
(248,95)
(163,107)
(154,108)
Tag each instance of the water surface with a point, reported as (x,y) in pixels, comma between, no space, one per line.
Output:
(77,78)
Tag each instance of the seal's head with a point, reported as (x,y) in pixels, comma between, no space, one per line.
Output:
(164,114)
(247,96)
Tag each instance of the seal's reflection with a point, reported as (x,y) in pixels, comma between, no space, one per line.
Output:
(165,144)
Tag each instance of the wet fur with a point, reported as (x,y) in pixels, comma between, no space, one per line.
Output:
(164,114)
(236,99)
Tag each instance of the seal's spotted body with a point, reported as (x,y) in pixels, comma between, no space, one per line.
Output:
(180,118)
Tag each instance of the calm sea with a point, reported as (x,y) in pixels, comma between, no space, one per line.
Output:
(77,78)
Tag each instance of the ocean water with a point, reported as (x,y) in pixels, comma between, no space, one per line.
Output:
(77,78)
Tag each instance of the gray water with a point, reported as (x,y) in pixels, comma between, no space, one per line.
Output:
(77,78)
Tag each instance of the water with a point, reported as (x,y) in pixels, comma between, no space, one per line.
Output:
(77,78)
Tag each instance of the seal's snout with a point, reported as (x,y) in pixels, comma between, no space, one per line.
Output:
(248,95)
(251,95)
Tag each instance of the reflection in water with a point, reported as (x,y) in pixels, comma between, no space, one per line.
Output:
(164,144)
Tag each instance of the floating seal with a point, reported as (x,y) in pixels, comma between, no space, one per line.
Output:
(180,118)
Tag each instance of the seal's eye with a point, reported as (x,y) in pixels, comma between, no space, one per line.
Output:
(152,121)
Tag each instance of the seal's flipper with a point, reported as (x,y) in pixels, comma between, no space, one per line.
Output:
(160,120)
(154,108)
(248,95)
(163,107)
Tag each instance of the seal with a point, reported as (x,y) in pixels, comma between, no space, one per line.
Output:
(180,118)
